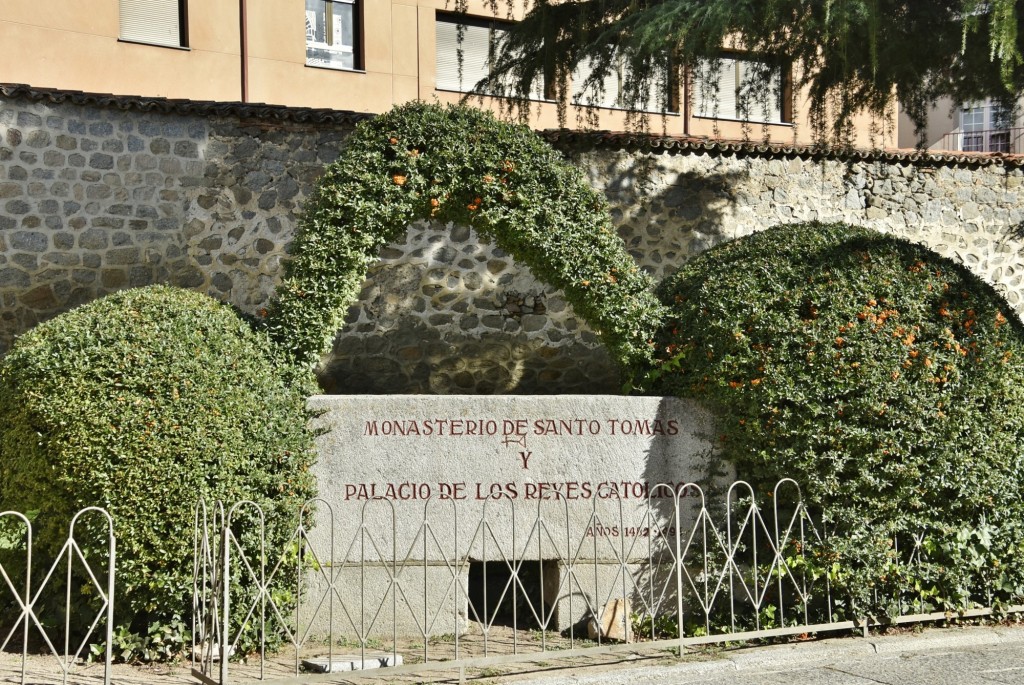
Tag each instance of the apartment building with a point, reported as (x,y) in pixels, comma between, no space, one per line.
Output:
(358,55)
(985,126)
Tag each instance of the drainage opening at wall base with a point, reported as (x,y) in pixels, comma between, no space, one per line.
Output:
(514,594)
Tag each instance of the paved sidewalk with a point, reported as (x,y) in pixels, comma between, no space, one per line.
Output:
(936,656)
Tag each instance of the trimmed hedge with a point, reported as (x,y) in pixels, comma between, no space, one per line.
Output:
(144,402)
(460,165)
(886,380)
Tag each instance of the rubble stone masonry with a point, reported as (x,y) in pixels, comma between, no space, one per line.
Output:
(98,195)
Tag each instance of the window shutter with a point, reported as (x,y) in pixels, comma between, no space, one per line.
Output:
(609,97)
(654,98)
(709,102)
(475,44)
(151,21)
(727,90)
(764,108)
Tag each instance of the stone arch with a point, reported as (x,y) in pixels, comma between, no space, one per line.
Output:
(462,166)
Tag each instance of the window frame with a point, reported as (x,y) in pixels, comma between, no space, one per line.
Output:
(357,38)
(784,108)
(492,24)
(620,72)
(985,127)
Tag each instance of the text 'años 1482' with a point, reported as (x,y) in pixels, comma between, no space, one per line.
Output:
(518,427)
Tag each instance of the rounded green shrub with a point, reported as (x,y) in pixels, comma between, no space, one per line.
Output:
(459,164)
(144,402)
(886,380)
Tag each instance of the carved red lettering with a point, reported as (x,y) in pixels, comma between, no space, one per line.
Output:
(513,427)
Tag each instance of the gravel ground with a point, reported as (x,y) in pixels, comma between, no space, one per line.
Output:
(47,669)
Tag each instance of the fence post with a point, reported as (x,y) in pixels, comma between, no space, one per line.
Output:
(677,523)
(225,579)
(111,570)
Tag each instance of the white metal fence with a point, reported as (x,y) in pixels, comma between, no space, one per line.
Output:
(450,584)
(43,605)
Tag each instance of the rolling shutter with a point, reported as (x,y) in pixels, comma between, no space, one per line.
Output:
(151,21)
(714,89)
(765,107)
(738,95)
(610,86)
(475,50)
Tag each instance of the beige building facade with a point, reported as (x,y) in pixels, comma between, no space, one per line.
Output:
(984,126)
(357,55)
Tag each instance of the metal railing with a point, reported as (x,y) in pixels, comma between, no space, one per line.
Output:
(30,618)
(665,570)
(1005,140)
(450,584)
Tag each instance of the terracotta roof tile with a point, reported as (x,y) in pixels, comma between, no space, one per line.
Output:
(657,144)
(241,110)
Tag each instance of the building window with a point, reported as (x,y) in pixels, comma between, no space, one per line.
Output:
(985,128)
(156,22)
(331,34)
(730,88)
(612,90)
(476,46)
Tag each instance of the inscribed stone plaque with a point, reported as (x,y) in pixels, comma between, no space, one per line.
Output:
(541,477)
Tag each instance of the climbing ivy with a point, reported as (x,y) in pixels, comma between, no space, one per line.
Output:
(459,165)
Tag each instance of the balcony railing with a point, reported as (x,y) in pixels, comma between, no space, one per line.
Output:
(1005,140)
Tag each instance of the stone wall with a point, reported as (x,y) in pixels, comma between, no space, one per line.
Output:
(101,193)
(669,207)
(95,199)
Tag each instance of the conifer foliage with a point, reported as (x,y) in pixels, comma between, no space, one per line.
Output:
(851,55)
